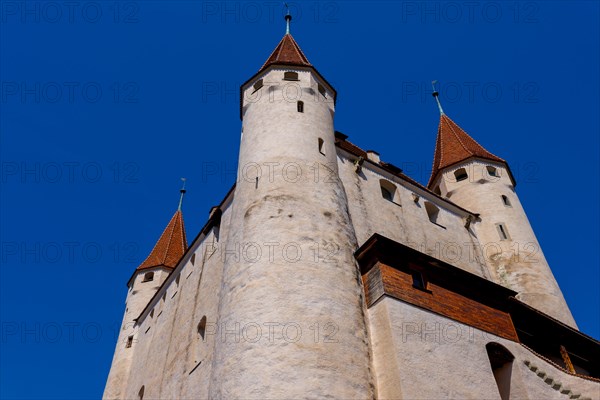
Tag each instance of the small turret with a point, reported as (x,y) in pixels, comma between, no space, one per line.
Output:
(144,282)
(482,182)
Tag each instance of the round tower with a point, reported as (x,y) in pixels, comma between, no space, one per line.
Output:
(291,294)
(142,286)
(472,177)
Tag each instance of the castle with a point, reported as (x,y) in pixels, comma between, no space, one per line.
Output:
(326,272)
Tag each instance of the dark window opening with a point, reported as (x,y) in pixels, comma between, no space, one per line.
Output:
(506,201)
(388,190)
(502,231)
(322,90)
(432,213)
(321,143)
(492,171)
(193,259)
(460,174)
(501,361)
(258,85)
(418,280)
(129,342)
(300,106)
(202,328)
(148,276)
(437,190)
(141,393)
(290,76)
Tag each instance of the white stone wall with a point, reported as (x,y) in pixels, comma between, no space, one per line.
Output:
(407,221)
(518,262)
(421,355)
(308,289)
(138,295)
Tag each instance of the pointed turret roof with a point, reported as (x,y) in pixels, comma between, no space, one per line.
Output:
(170,247)
(287,52)
(454,145)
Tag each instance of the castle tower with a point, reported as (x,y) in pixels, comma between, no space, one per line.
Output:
(144,282)
(291,297)
(470,176)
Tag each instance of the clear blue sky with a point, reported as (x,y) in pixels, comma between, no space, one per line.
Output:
(105,105)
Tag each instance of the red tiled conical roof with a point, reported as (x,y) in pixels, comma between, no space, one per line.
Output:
(287,52)
(454,145)
(170,246)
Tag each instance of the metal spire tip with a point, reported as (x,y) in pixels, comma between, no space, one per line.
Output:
(436,94)
(182,191)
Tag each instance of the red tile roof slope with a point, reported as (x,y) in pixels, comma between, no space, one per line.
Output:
(171,245)
(454,145)
(287,52)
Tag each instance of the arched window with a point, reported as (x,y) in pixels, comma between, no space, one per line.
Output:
(506,201)
(492,171)
(501,361)
(388,190)
(148,276)
(432,212)
(202,328)
(141,393)
(321,143)
(290,76)
(300,106)
(460,174)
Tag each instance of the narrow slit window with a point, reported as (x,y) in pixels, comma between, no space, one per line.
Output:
(506,201)
(290,76)
(460,174)
(502,231)
(148,277)
(177,279)
(322,90)
(321,143)
(129,342)
(193,259)
(300,106)
(141,393)
(202,328)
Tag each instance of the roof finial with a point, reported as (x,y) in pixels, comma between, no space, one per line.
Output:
(288,18)
(436,95)
(182,191)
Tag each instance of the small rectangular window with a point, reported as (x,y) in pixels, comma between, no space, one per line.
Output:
(129,342)
(419,281)
(300,106)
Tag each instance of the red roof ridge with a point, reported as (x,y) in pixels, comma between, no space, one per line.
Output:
(454,145)
(287,52)
(170,246)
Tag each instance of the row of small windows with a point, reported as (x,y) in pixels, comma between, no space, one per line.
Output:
(461,173)
(289,76)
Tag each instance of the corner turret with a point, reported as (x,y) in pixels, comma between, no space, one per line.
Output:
(472,177)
